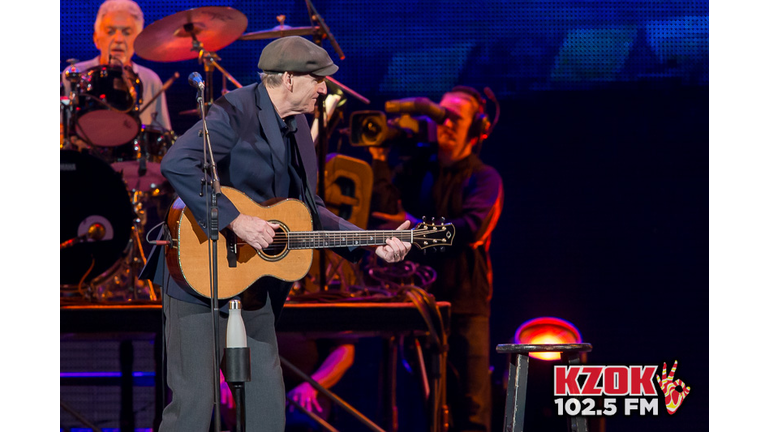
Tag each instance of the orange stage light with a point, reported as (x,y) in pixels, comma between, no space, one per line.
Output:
(547,330)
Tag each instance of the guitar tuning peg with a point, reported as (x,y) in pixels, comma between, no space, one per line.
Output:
(442,248)
(442,220)
(433,219)
(423,218)
(425,251)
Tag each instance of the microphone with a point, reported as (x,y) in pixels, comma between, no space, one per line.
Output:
(196,81)
(95,232)
(420,105)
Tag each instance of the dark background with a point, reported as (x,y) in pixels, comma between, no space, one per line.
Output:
(602,145)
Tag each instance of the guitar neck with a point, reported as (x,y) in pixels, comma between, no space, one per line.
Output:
(333,239)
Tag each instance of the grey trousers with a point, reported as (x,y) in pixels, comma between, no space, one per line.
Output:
(189,346)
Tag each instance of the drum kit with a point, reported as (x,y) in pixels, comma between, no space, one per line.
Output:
(105,191)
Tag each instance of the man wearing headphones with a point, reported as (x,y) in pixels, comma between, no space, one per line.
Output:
(454,184)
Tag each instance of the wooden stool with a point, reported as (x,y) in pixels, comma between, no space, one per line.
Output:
(514,410)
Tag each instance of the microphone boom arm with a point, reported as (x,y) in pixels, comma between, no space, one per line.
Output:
(314,16)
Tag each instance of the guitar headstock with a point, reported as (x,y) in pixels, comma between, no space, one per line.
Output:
(427,235)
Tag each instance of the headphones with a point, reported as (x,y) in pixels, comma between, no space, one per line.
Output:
(481,126)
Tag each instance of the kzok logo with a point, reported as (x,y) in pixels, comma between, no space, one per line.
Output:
(673,398)
(581,383)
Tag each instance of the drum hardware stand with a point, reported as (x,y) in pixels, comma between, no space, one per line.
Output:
(138,259)
(72,74)
(211,178)
(210,61)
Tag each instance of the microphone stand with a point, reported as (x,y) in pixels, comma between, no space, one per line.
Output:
(322,149)
(238,361)
(317,19)
(211,177)
(322,138)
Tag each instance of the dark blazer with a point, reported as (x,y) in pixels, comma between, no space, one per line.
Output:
(251,156)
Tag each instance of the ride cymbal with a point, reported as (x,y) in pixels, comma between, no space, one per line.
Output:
(280,31)
(171,38)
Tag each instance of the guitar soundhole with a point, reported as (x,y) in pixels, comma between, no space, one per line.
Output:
(279,246)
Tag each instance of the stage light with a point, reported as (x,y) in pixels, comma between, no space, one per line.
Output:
(547,330)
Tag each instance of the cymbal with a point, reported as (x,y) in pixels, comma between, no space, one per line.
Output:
(280,31)
(170,39)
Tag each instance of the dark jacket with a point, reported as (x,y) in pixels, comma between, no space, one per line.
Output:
(252,157)
(469,195)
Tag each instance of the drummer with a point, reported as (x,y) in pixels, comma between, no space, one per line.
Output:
(118,22)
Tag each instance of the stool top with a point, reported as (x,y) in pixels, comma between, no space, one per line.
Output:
(529,348)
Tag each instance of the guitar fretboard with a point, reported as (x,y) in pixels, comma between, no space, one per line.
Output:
(332,239)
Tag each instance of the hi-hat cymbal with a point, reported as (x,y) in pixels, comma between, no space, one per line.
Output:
(280,31)
(170,39)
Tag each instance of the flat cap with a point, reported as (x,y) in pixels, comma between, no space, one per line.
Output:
(296,54)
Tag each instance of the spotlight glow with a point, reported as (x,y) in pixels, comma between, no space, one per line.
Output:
(547,330)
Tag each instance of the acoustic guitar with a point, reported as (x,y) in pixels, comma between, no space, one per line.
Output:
(288,257)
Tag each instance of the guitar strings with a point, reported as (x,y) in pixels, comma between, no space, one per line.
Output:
(314,237)
(352,234)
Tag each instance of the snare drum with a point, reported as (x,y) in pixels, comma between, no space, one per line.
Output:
(108,104)
(92,193)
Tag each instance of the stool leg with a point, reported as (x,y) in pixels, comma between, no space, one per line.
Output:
(514,411)
(575,424)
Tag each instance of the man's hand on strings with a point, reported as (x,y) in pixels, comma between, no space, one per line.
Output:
(253,230)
